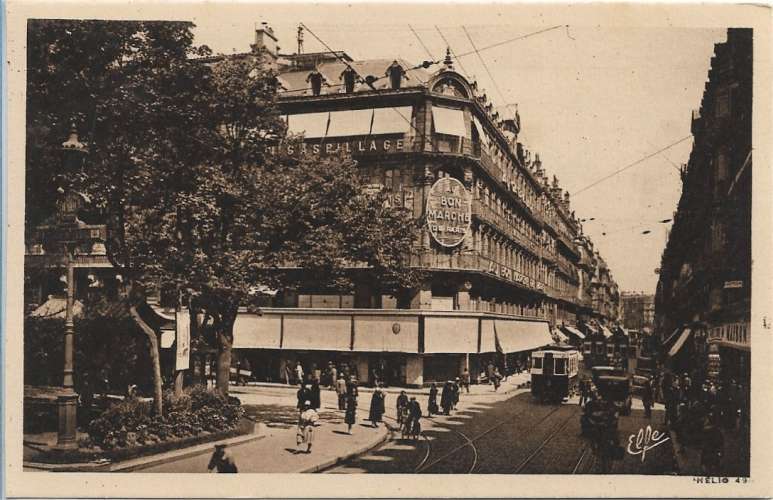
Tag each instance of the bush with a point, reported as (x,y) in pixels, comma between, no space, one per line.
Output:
(129,422)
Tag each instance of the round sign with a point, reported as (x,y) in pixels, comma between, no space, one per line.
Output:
(449,208)
(395,328)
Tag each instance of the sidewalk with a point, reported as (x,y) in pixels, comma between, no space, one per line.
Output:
(513,382)
(735,459)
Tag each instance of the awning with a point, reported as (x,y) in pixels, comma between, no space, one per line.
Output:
(672,336)
(481,132)
(592,329)
(516,336)
(573,331)
(607,333)
(449,121)
(349,123)
(56,307)
(488,340)
(386,334)
(561,336)
(311,125)
(317,332)
(679,342)
(257,332)
(394,120)
(450,335)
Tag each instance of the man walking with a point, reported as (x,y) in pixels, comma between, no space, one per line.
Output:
(340,386)
(222,461)
(466,380)
(646,398)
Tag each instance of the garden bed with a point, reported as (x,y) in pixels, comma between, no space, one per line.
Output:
(85,455)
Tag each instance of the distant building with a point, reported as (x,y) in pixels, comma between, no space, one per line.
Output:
(637,311)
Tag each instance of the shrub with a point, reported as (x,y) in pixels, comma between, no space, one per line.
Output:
(129,423)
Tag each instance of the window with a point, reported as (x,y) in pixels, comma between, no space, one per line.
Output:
(560,366)
(722,105)
(610,349)
(388,181)
(586,347)
(538,363)
(599,348)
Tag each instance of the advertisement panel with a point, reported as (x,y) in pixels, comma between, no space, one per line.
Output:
(449,209)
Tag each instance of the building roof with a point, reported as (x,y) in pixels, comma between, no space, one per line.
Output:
(295,84)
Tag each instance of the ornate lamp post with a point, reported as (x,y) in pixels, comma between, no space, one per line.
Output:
(68,234)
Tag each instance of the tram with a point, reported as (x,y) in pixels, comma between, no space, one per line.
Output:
(554,373)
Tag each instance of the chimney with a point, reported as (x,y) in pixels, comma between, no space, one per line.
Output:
(265,40)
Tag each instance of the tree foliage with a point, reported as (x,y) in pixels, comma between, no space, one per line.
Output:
(178,170)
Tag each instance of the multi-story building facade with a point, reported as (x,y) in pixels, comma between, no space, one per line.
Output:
(505,254)
(705,274)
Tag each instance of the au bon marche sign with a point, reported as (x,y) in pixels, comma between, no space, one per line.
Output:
(328,146)
(449,210)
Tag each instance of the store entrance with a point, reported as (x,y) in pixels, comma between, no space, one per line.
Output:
(387,369)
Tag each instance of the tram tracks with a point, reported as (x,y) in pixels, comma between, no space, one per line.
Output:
(555,431)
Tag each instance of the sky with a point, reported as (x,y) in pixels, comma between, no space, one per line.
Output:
(593,98)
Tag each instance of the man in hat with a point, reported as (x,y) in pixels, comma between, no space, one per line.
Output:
(222,460)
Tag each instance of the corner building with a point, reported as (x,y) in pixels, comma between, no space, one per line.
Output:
(506,258)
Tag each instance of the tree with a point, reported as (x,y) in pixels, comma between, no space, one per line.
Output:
(179,171)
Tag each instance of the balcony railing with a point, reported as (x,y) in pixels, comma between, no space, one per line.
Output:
(488,215)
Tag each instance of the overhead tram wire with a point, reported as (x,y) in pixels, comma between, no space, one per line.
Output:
(504,42)
(451,50)
(485,66)
(431,57)
(631,165)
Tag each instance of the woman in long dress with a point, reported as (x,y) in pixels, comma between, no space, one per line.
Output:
(351,404)
(432,408)
(447,398)
(376,406)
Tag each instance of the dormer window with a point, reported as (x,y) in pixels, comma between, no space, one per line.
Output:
(349,77)
(316,79)
(395,72)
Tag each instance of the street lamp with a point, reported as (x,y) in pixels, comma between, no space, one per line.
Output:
(69,232)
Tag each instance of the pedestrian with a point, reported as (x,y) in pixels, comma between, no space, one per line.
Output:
(316,397)
(341,391)
(432,408)
(466,380)
(402,406)
(303,395)
(583,391)
(646,398)
(288,373)
(351,403)
(298,372)
(306,422)
(456,391)
(497,378)
(414,417)
(333,373)
(222,461)
(447,398)
(490,372)
(245,371)
(377,406)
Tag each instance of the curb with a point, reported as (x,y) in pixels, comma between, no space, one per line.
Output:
(143,462)
(343,458)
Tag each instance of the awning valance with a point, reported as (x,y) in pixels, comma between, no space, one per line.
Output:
(488,341)
(516,336)
(386,334)
(255,331)
(679,342)
(316,332)
(573,331)
(449,121)
(352,122)
(450,335)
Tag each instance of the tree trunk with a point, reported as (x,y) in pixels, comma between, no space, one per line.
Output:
(225,338)
(154,357)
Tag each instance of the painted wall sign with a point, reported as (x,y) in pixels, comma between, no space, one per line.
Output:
(354,147)
(449,208)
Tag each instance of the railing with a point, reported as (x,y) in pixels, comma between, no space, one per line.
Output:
(488,215)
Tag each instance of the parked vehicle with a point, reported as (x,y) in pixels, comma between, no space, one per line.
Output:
(617,390)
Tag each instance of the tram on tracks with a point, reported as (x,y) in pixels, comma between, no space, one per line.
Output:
(554,373)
